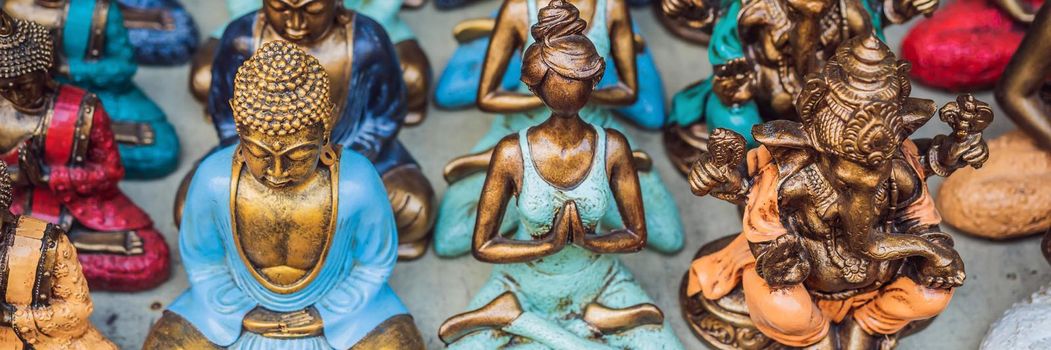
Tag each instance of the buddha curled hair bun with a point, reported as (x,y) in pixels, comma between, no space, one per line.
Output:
(561,47)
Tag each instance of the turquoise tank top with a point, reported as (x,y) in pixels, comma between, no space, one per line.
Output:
(539,201)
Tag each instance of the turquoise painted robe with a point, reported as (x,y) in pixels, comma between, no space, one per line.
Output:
(350,293)
(110,77)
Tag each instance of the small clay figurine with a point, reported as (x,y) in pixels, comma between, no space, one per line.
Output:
(1011,197)
(415,67)
(287,241)
(45,303)
(611,31)
(840,246)
(94,54)
(556,283)
(68,167)
(942,47)
(366,88)
(761,52)
(161,31)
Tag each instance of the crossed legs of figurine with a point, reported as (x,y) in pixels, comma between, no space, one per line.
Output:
(174,332)
(792,317)
(505,310)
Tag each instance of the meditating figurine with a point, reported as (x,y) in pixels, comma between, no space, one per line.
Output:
(367,90)
(162,31)
(94,54)
(521,109)
(464,80)
(45,303)
(288,242)
(761,52)
(840,246)
(68,167)
(1011,196)
(556,283)
(942,47)
(415,67)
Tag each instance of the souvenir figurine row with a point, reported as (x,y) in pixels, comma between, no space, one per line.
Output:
(290,227)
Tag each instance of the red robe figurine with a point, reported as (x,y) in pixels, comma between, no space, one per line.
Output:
(81,194)
(967,45)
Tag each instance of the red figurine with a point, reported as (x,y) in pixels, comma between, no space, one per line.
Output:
(967,44)
(68,166)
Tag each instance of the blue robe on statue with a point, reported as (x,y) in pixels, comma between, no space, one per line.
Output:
(350,292)
(375,103)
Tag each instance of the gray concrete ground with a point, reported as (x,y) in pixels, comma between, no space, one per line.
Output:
(999,273)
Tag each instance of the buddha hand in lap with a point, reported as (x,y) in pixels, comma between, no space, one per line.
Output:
(287,240)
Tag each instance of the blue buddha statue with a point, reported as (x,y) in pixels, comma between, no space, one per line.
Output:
(366,87)
(287,240)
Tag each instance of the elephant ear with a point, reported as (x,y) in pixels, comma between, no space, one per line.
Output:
(806,104)
(915,113)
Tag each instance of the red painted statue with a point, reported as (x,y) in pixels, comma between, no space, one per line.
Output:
(68,166)
(967,44)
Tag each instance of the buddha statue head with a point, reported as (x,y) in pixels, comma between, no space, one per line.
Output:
(302,21)
(281,108)
(856,112)
(562,67)
(26,55)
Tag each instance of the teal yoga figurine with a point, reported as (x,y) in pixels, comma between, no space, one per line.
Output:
(761,52)
(459,83)
(416,68)
(94,54)
(288,242)
(556,283)
(611,33)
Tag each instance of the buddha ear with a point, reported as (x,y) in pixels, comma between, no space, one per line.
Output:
(813,91)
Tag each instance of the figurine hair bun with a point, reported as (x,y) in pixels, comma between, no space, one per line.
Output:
(561,46)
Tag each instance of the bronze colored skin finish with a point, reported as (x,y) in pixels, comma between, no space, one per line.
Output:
(1019,88)
(559,145)
(509,36)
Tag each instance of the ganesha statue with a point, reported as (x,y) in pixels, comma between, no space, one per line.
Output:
(840,246)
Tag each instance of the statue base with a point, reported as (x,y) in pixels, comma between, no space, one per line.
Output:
(725,324)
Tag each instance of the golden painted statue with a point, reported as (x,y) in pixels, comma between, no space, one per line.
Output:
(367,90)
(840,246)
(45,303)
(288,242)
(1011,197)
